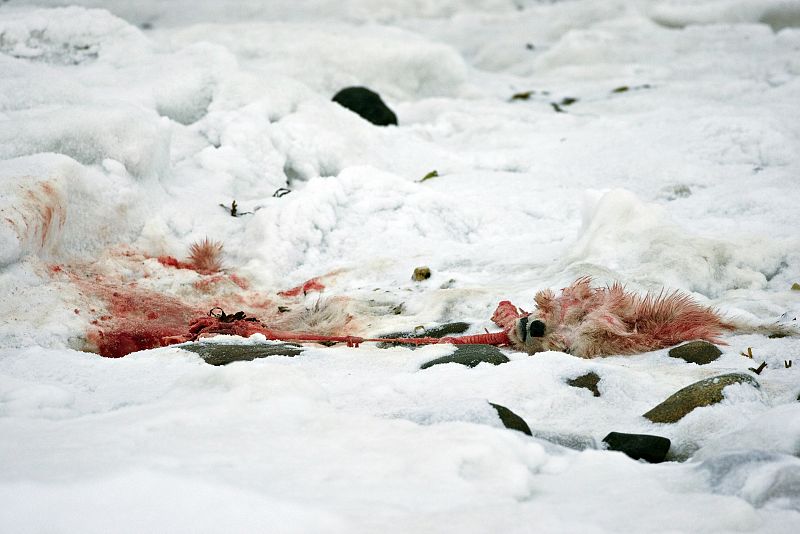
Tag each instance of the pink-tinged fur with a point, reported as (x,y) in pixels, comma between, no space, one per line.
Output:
(590,322)
(205,256)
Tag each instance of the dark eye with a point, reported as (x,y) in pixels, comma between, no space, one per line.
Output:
(536,328)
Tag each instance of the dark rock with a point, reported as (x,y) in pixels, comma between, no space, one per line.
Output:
(511,420)
(703,393)
(471,355)
(447,329)
(699,352)
(368,104)
(222,354)
(651,449)
(588,381)
(421,273)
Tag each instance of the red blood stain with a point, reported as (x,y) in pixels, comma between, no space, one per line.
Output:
(56,268)
(43,207)
(311,285)
(205,284)
(170,261)
(139,319)
(239,281)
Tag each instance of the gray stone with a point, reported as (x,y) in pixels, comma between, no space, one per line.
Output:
(651,449)
(448,329)
(699,352)
(222,354)
(471,355)
(588,381)
(511,420)
(703,393)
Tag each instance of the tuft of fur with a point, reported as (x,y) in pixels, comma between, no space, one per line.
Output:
(206,256)
(590,322)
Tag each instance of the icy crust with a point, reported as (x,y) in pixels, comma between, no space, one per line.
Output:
(66,36)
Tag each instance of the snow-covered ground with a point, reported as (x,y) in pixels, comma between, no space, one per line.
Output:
(124,126)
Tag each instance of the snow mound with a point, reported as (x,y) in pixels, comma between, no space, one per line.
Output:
(393,62)
(362,213)
(55,207)
(778,14)
(623,236)
(137,138)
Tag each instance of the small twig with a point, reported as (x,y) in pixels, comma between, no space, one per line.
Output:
(760,368)
(280,192)
(234,210)
(525,95)
(557,108)
(749,353)
(432,174)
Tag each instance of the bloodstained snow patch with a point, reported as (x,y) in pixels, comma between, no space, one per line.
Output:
(311,285)
(39,214)
(135,319)
(134,304)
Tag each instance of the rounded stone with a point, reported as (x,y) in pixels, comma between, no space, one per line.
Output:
(367,104)
(699,352)
(471,355)
(645,447)
(421,273)
(703,393)
(223,354)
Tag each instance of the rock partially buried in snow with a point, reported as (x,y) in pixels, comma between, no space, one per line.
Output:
(368,104)
(651,449)
(699,352)
(447,329)
(223,354)
(421,273)
(511,420)
(703,393)
(588,381)
(471,355)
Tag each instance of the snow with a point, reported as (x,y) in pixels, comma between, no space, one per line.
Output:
(124,126)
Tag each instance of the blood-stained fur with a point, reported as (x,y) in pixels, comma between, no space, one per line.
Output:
(586,321)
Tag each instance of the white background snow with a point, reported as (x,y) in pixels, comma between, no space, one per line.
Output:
(145,116)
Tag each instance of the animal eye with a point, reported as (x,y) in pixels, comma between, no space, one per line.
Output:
(536,328)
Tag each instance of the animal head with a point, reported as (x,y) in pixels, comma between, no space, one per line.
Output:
(530,334)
